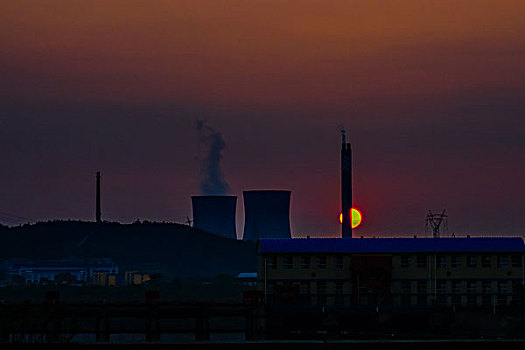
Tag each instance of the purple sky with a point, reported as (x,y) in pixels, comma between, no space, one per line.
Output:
(431,93)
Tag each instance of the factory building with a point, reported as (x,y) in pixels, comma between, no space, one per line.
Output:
(215,214)
(266,214)
(463,272)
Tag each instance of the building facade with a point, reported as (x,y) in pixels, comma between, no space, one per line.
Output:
(467,272)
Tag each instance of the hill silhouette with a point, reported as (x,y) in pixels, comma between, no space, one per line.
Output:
(175,250)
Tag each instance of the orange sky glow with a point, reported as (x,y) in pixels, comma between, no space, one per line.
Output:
(261,52)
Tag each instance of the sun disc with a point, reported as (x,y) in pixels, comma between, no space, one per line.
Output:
(356,217)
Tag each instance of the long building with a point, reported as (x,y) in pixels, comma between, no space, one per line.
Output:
(470,272)
(36,271)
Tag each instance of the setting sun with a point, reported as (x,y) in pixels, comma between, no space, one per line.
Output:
(356,218)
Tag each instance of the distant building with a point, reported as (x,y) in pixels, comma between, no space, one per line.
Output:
(104,279)
(247,279)
(135,277)
(76,271)
(467,272)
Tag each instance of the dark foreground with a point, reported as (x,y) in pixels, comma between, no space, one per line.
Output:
(155,324)
(293,345)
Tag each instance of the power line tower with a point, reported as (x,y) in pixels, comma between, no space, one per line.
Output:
(434,222)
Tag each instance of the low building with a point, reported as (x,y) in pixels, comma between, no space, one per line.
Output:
(247,279)
(104,279)
(62,271)
(135,278)
(465,272)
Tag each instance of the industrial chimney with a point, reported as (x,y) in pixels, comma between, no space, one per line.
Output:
(215,214)
(346,187)
(266,214)
(98,213)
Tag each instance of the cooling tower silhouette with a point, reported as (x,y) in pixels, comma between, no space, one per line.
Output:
(215,214)
(266,214)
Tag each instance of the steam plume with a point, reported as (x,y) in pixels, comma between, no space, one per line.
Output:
(212,178)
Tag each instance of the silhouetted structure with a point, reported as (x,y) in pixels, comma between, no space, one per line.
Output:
(215,214)
(434,221)
(346,188)
(98,213)
(266,214)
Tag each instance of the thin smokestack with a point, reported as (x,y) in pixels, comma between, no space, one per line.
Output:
(346,187)
(98,213)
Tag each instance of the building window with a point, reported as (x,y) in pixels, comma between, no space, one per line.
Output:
(272,262)
(502,261)
(339,262)
(456,299)
(339,287)
(288,262)
(455,261)
(471,261)
(305,287)
(321,262)
(422,287)
(516,286)
(406,287)
(305,262)
(472,287)
(405,261)
(456,287)
(442,299)
(321,287)
(486,287)
(486,261)
(421,261)
(270,287)
(486,300)
(441,261)
(472,300)
(516,261)
(422,299)
(502,288)
(442,287)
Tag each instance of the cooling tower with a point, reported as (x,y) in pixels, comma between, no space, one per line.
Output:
(215,214)
(266,214)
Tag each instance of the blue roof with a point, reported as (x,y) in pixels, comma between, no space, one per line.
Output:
(247,275)
(390,245)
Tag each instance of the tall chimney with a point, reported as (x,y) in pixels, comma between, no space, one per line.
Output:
(346,187)
(98,213)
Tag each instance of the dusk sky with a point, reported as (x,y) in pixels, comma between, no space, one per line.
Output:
(431,93)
